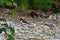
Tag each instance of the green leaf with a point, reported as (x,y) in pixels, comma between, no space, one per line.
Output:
(10,37)
(3,29)
(6,25)
(0,31)
(12,30)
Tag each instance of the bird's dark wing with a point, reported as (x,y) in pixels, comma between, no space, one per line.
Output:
(25,21)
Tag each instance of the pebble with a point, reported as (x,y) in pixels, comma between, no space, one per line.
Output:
(50,25)
(53,17)
(45,15)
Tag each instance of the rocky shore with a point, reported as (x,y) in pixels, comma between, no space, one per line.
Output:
(37,29)
(41,30)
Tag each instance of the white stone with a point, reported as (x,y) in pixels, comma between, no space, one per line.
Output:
(50,17)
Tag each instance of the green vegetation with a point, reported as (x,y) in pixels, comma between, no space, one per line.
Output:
(2,29)
(43,4)
(9,36)
(8,3)
(1,19)
(12,30)
(11,14)
(6,27)
(25,4)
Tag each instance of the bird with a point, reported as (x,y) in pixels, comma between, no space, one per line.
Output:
(23,21)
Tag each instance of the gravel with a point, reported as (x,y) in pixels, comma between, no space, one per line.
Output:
(34,31)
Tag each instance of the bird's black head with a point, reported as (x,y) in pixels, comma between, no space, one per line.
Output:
(21,19)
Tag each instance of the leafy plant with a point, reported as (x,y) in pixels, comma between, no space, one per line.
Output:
(30,2)
(17,2)
(11,14)
(6,25)
(43,4)
(1,2)
(8,3)
(24,4)
(0,30)
(12,30)
(3,29)
(9,36)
